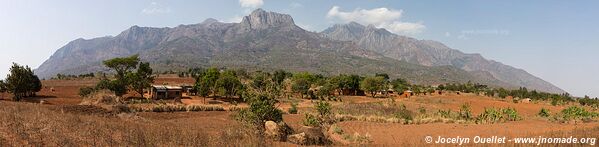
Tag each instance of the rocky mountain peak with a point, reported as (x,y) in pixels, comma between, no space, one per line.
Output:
(260,19)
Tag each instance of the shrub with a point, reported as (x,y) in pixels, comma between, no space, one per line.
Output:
(465,112)
(510,114)
(544,112)
(323,108)
(311,120)
(86,91)
(422,110)
(444,114)
(575,112)
(337,129)
(490,115)
(293,109)
(262,108)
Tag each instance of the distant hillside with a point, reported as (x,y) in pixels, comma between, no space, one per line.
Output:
(432,53)
(269,40)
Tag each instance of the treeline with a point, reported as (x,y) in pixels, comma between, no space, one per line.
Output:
(230,83)
(522,92)
(21,82)
(68,77)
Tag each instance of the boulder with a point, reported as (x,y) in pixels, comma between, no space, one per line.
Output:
(298,139)
(43,102)
(277,132)
(309,136)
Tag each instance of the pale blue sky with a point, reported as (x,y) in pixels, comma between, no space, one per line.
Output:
(555,40)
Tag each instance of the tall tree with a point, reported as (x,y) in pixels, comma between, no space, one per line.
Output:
(372,84)
(228,84)
(302,82)
(21,82)
(142,78)
(210,78)
(400,85)
(122,66)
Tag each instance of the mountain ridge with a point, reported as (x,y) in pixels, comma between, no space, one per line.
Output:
(270,40)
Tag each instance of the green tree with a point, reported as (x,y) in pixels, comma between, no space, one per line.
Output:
(260,81)
(337,83)
(122,67)
(142,78)
(301,86)
(302,82)
(353,83)
(372,85)
(210,78)
(325,90)
(21,82)
(228,84)
(400,85)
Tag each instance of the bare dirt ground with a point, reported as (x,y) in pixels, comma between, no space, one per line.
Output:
(62,96)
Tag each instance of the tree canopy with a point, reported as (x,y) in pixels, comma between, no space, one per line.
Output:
(373,84)
(21,82)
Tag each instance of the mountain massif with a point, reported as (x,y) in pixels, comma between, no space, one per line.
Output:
(268,40)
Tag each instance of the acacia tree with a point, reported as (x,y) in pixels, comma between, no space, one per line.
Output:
(122,67)
(21,82)
(373,84)
(141,79)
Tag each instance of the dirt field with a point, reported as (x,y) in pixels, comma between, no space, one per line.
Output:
(63,99)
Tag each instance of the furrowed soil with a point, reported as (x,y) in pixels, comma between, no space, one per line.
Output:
(61,121)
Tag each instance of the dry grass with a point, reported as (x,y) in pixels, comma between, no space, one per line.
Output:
(24,124)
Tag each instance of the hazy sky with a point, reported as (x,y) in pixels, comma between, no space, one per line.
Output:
(555,40)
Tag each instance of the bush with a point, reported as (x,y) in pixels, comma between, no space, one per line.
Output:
(465,112)
(444,114)
(86,91)
(576,113)
(510,114)
(323,108)
(490,115)
(544,112)
(311,120)
(422,110)
(262,108)
(293,109)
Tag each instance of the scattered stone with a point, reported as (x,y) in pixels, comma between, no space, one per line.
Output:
(309,136)
(277,132)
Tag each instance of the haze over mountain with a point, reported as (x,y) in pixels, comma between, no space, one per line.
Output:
(268,40)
